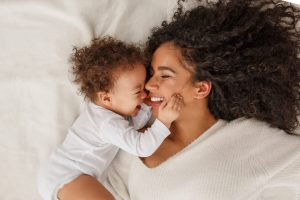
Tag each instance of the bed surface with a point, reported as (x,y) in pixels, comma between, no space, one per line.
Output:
(38,101)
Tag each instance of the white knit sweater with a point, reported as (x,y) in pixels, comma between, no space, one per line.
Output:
(241,160)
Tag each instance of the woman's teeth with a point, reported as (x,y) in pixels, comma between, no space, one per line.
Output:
(157,99)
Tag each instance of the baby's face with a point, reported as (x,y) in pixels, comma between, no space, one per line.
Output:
(128,92)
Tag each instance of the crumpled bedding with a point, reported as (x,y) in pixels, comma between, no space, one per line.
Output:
(38,101)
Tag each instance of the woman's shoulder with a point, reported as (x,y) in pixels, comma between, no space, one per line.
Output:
(257,127)
(273,147)
(259,135)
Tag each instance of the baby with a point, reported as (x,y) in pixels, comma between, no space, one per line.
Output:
(111,75)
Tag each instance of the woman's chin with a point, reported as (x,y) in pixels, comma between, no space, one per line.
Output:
(155,108)
(154,104)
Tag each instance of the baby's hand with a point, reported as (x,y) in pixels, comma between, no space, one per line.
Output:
(169,111)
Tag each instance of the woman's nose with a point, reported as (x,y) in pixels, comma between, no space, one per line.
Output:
(151,84)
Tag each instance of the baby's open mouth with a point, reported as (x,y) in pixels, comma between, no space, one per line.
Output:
(138,106)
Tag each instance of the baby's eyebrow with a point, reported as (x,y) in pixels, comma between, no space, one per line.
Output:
(166,68)
(137,87)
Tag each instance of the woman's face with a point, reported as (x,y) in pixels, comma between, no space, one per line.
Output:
(168,76)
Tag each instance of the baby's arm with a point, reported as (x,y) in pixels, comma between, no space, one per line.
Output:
(169,111)
(141,119)
(117,131)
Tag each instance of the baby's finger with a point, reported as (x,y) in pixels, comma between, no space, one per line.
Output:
(177,106)
(177,102)
(181,101)
(172,101)
(163,104)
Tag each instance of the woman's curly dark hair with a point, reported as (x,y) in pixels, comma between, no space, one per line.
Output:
(248,50)
(95,67)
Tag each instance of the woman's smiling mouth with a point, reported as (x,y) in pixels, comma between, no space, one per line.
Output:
(156,99)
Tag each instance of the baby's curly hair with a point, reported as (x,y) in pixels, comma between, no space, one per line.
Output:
(95,67)
(248,50)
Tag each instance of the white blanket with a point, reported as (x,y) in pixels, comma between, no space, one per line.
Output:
(38,101)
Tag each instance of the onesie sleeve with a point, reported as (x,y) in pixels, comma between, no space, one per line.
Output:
(118,132)
(140,120)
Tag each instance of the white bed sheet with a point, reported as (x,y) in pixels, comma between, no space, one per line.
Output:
(38,102)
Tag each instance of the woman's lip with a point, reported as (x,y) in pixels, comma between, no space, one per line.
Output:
(151,103)
(148,100)
(154,96)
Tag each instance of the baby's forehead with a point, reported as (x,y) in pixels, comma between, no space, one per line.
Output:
(123,69)
(130,77)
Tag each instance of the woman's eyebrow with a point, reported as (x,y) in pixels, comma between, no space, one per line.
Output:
(166,68)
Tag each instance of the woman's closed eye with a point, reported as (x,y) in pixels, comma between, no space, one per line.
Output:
(162,73)
(165,76)
(166,72)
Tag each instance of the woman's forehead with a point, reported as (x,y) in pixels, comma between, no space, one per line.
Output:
(168,55)
(167,47)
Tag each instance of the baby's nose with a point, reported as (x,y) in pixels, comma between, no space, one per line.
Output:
(144,94)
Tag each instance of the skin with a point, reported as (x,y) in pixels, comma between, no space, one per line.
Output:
(128,94)
(170,75)
(130,84)
(84,188)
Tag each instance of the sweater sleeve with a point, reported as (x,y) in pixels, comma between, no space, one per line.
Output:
(117,131)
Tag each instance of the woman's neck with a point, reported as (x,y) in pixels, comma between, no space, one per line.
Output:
(193,122)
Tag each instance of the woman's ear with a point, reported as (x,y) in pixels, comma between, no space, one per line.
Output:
(103,98)
(202,89)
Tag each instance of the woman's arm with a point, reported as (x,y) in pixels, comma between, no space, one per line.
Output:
(84,187)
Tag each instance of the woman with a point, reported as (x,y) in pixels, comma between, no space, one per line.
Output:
(235,63)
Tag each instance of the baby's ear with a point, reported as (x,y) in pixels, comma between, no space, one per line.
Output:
(103,97)
(202,89)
